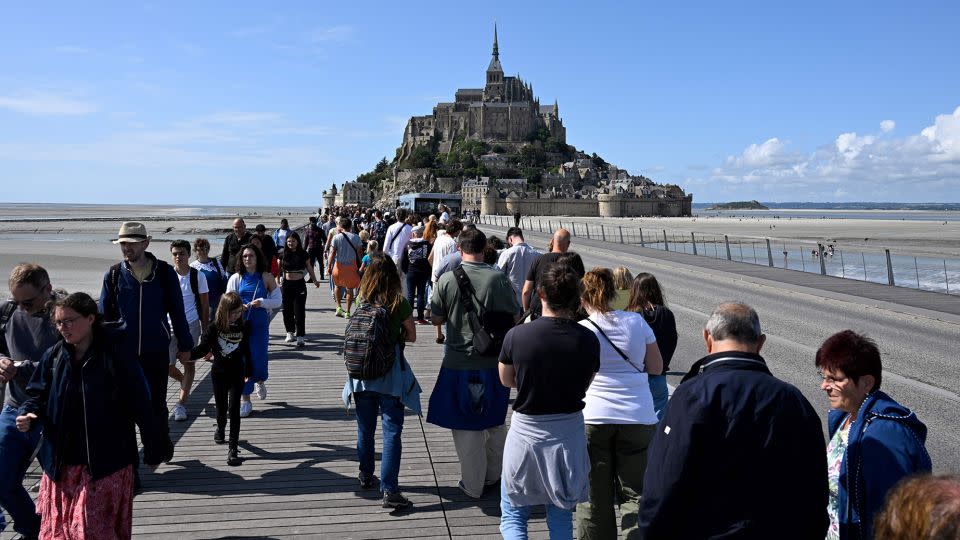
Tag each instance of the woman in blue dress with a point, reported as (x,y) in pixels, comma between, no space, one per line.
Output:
(259,291)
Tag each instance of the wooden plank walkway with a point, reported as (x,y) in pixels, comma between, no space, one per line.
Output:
(299,477)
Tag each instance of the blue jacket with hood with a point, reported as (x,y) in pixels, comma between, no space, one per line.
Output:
(885,444)
(143,307)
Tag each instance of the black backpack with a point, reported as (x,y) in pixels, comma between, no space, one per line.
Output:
(367,351)
(489,327)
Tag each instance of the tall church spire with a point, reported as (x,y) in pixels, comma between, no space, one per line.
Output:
(495,66)
(496,46)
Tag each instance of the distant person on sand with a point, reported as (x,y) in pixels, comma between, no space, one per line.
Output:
(195,294)
(231,244)
(516,219)
(144,292)
(28,331)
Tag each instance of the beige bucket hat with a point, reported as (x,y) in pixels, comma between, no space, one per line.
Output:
(132,231)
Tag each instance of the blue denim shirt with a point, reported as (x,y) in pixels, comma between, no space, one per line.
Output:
(399,381)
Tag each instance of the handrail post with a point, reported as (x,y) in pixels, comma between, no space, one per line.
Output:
(621,233)
(889,268)
(823,264)
(641,237)
(726,240)
(666,245)
(769,254)
(693,240)
(603,233)
(588,230)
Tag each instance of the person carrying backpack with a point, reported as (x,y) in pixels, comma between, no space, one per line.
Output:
(380,381)
(415,263)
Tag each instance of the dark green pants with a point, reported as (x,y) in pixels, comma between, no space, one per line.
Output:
(618,460)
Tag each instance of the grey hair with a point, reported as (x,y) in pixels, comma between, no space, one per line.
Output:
(738,322)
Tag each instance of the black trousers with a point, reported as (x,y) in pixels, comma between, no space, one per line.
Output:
(294,295)
(156,367)
(227,387)
(316,258)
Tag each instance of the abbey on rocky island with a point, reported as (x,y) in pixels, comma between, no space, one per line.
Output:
(505,110)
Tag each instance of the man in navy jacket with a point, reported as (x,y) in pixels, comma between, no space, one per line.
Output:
(739,453)
(143,291)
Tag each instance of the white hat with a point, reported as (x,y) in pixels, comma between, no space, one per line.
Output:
(132,232)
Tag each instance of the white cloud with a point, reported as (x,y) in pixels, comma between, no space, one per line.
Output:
(924,166)
(47,104)
(338,33)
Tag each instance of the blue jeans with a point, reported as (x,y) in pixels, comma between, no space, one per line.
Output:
(417,290)
(16,449)
(513,520)
(369,405)
(658,387)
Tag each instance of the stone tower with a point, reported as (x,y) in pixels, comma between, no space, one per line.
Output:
(493,91)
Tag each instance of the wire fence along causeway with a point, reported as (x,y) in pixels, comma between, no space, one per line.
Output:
(830,259)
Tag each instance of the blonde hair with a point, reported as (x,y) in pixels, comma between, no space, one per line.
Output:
(622,278)
(372,247)
(364,236)
(598,289)
(228,302)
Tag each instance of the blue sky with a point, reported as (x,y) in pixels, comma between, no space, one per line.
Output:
(270,103)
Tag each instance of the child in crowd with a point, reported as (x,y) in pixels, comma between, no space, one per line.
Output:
(226,342)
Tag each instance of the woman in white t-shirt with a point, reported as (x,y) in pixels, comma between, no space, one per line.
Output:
(619,414)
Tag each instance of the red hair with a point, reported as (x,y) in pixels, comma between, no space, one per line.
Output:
(852,354)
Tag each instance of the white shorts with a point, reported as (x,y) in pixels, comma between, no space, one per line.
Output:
(194,332)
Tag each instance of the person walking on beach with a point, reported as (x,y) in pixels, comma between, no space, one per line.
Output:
(260,293)
(646,298)
(196,308)
(468,398)
(550,362)
(516,261)
(345,261)
(387,395)
(232,243)
(743,448)
(619,411)
(227,342)
(295,267)
(144,292)
(27,332)
(88,394)
(560,245)
(215,273)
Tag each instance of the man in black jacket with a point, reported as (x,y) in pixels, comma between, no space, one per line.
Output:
(739,453)
(231,245)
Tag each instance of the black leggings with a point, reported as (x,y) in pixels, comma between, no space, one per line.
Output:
(228,383)
(294,306)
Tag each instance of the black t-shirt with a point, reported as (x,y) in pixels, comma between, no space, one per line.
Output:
(555,360)
(664,326)
(541,264)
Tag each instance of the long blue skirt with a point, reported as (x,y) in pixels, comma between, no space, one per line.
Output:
(469,399)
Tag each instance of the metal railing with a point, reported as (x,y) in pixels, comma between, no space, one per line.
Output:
(829,259)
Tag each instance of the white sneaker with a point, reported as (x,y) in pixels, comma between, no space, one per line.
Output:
(289,337)
(246,408)
(261,389)
(300,342)
(179,412)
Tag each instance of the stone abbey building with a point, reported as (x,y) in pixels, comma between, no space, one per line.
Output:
(505,110)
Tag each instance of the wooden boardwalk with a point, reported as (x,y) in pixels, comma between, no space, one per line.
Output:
(299,477)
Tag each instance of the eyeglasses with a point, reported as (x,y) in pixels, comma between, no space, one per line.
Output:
(831,380)
(67,323)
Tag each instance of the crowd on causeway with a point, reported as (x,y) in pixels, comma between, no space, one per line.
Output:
(594,438)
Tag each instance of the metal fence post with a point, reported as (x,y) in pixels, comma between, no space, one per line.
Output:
(917,270)
(603,233)
(666,245)
(946,279)
(693,240)
(641,237)
(769,254)
(889,268)
(621,241)
(823,264)
(726,240)
(588,230)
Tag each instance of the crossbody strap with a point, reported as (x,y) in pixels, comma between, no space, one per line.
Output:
(620,352)
(466,290)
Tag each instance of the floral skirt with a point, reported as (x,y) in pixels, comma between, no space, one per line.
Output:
(78,507)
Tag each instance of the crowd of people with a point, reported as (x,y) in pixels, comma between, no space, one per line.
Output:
(594,437)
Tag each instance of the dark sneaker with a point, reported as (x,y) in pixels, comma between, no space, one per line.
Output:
(218,436)
(396,501)
(233,457)
(366,482)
